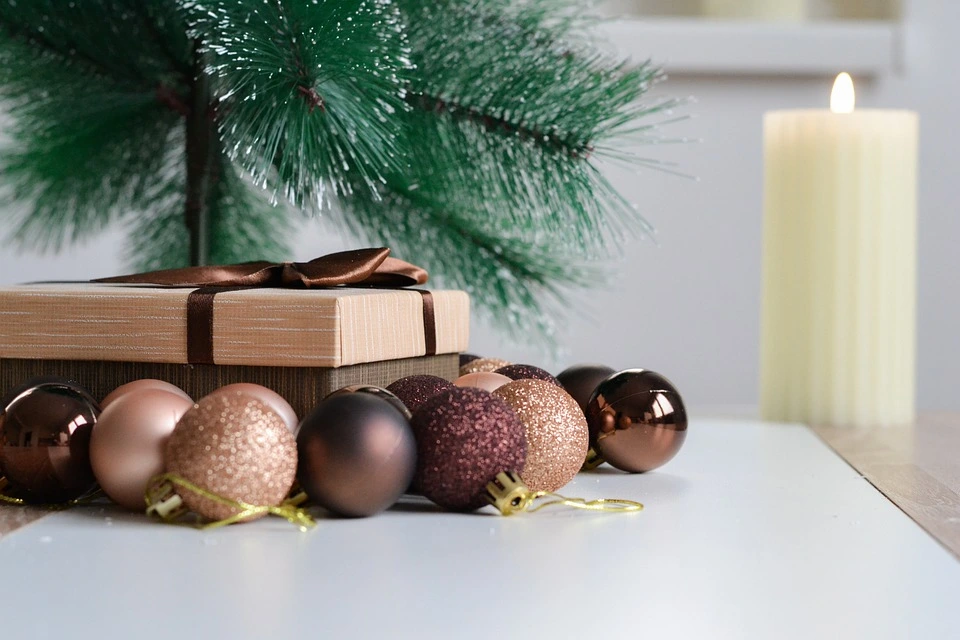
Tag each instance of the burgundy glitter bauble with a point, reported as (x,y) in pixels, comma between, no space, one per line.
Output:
(413,391)
(465,437)
(527,372)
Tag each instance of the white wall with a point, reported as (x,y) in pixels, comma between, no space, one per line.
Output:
(689,307)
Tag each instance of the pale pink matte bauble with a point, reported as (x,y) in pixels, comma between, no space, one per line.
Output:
(141,385)
(129,440)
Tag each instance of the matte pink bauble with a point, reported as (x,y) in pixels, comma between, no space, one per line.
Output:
(141,385)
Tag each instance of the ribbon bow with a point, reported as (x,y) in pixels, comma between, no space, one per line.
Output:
(370,267)
(360,267)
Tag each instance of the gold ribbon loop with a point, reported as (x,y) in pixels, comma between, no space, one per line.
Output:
(162,503)
(510,495)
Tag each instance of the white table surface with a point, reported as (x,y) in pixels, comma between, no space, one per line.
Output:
(753,531)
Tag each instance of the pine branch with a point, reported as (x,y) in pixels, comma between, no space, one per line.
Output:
(309,90)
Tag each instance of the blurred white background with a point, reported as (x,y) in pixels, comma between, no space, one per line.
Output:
(689,306)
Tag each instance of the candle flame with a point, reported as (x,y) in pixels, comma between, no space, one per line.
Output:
(843,98)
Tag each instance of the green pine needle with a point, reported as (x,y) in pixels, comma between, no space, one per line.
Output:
(309,89)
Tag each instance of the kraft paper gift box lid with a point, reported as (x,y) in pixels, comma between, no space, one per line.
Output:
(273,327)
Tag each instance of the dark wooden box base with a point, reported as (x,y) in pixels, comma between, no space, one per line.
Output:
(303,387)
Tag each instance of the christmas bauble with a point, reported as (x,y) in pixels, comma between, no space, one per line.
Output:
(465,437)
(527,372)
(379,392)
(486,380)
(129,440)
(357,454)
(468,357)
(234,446)
(637,420)
(482,364)
(555,428)
(141,385)
(413,391)
(580,380)
(45,442)
(269,397)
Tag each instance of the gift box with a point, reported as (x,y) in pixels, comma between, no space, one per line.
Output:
(301,342)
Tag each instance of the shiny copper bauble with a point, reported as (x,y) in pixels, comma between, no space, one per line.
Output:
(45,442)
(637,420)
(581,380)
(357,454)
(379,392)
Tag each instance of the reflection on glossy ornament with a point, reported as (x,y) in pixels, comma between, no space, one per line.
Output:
(486,380)
(45,442)
(582,379)
(129,440)
(637,420)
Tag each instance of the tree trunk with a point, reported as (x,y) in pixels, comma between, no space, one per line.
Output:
(202,155)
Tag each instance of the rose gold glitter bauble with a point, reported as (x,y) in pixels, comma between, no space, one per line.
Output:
(486,380)
(141,385)
(482,364)
(557,434)
(465,437)
(233,445)
(129,439)
(274,401)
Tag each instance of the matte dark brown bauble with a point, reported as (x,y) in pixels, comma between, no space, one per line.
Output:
(357,454)
(637,420)
(468,357)
(465,437)
(581,380)
(527,372)
(379,392)
(413,391)
(45,442)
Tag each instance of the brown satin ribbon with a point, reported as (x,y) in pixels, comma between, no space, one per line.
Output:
(372,268)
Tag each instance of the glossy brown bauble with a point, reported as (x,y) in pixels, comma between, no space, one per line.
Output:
(129,440)
(357,454)
(637,420)
(45,442)
(379,392)
(581,380)
(465,437)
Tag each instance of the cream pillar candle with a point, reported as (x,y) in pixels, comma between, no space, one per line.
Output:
(838,325)
(794,10)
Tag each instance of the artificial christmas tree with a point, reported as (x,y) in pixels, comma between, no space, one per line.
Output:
(464,134)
